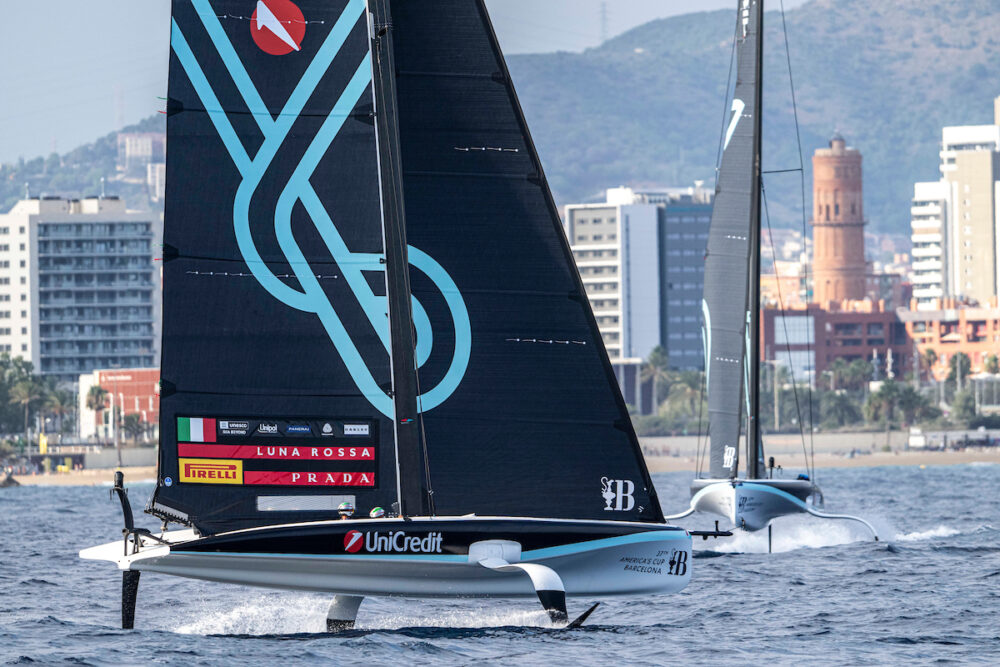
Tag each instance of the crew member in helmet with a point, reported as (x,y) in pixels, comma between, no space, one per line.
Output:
(346,510)
(377,513)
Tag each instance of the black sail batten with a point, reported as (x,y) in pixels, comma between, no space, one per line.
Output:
(412,465)
(730,256)
(532,422)
(275,362)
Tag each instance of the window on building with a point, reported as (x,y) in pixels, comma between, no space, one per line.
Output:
(24,331)
(24,347)
(22,247)
(22,264)
(828,213)
(23,280)
(836,209)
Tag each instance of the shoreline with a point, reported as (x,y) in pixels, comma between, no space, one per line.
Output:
(655,463)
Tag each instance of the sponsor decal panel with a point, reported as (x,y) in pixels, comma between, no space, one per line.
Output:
(277,27)
(298,429)
(672,561)
(195,429)
(266,428)
(211,471)
(233,427)
(286,478)
(356,429)
(288,452)
(393,541)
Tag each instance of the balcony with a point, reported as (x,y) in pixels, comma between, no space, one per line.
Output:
(931,251)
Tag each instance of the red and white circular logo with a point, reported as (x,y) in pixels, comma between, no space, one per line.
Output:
(278,26)
(353,541)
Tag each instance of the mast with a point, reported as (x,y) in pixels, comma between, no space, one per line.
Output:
(754,449)
(411,464)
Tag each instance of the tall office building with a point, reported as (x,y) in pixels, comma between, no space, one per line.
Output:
(929,233)
(839,266)
(78,286)
(641,255)
(966,226)
(970,166)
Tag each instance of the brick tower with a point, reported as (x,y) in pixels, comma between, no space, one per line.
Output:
(838,224)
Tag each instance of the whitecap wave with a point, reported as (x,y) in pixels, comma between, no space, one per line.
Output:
(940,531)
(262,614)
(289,613)
(793,533)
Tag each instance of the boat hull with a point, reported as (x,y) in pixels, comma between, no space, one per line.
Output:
(750,505)
(426,557)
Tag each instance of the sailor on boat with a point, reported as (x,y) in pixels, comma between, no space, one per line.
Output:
(377,513)
(346,510)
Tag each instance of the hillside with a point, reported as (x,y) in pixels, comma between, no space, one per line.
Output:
(77,173)
(647,106)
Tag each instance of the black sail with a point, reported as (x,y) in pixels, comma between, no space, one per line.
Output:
(305,206)
(275,364)
(520,409)
(729,258)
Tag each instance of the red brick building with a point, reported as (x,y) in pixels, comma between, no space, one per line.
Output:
(132,390)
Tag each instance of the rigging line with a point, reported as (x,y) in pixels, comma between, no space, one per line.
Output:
(788,341)
(802,186)
(699,452)
(782,171)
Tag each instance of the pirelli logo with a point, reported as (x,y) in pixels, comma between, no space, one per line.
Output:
(211,471)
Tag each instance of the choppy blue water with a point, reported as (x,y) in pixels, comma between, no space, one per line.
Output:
(929,593)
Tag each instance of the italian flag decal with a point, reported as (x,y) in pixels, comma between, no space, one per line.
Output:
(195,429)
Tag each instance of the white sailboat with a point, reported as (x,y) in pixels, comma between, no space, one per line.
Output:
(731,307)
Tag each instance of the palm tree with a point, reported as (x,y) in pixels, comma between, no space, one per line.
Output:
(928,358)
(912,403)
(657,370)
(839,408)
(95,401)
(686,391)
(25,393)
(992,364)
(133,426)
(959,367)
(59,403)
(882,405)
(858,373)
(837,369)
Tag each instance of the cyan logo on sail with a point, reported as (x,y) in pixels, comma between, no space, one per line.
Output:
(311,298)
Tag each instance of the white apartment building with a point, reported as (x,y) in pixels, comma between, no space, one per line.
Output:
(615,244)
(78,286)
(929,233)
(641,255)
(955,223)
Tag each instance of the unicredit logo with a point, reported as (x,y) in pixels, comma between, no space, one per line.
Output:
(353,541)
(277,27)
(396,541)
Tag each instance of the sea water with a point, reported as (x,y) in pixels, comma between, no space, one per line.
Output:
(928,592)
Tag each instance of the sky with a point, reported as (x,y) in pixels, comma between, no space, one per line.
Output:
(75,70)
